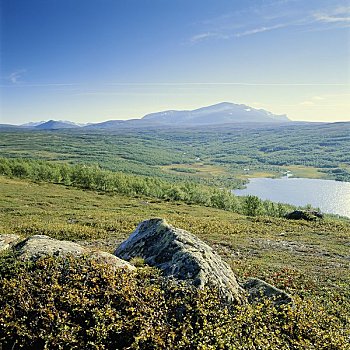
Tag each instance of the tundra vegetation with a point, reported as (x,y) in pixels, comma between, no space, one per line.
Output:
(77,303)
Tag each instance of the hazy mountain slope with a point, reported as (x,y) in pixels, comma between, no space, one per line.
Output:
(218,114)
(33,124)
(53,124)
(221,113)
(8,126)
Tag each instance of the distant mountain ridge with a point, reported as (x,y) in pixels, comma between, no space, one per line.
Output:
(33,124)
(54,124)
(218,114)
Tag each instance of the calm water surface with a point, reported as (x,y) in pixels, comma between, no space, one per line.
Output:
(328,195)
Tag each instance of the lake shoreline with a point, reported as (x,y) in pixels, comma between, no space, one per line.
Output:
(331,196)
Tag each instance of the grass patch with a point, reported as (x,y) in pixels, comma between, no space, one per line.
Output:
(196,169)
(306,171)
(257,173)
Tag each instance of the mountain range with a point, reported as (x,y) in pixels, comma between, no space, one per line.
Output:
(218,114)
(54,124)
(221,113)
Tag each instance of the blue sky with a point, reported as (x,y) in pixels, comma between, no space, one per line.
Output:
(94,60)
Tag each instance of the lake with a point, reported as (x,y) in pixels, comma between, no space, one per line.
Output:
(328,195)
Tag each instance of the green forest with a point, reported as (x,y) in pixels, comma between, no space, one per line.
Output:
(320,150)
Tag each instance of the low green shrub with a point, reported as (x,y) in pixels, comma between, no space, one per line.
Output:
(75,303)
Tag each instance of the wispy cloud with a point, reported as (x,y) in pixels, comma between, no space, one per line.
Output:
(326,100)
(16,82)
(233,83)
(260,30)
(271,16)
(203,36)
(80,88)
(51,84)
(15,77)
(307,103)
(200,37)
(318,98)
(337,15)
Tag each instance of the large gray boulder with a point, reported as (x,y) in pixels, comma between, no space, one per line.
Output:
(258,290)
(180,255)
(38,246)
(8,240)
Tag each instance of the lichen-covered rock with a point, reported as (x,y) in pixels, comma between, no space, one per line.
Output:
(8,240)
(38,246)
(180,255)
(258,289)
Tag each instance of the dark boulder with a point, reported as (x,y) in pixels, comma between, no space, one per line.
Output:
(309,215)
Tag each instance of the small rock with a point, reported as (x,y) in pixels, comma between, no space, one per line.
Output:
(38,246)
(8,240)
(258,289)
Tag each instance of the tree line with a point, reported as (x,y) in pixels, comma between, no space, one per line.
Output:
(95,178)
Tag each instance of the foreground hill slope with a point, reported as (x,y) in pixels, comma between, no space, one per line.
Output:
(104,220)
(310,260)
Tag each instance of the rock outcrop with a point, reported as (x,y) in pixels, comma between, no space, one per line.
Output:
(180,255)
(258,290)
(8,240)
(38,246)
